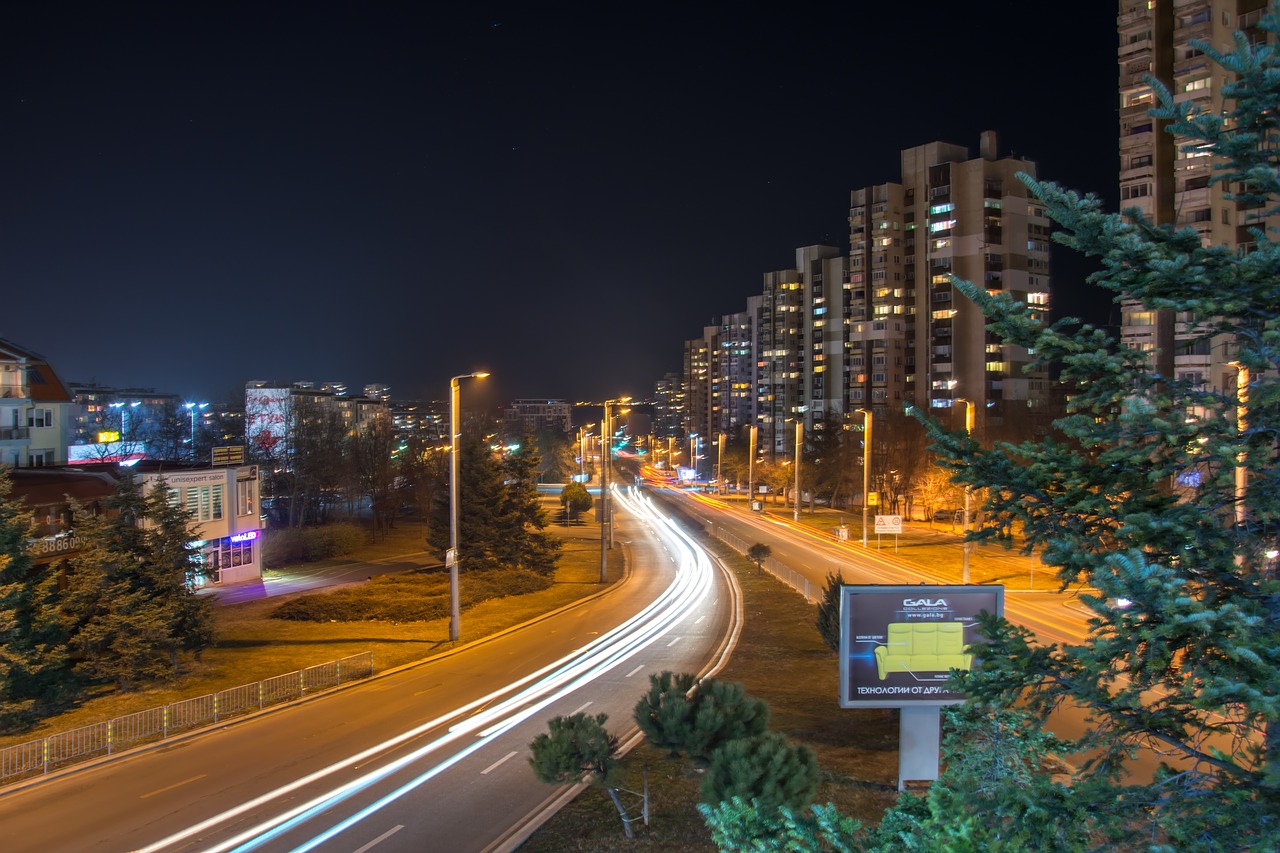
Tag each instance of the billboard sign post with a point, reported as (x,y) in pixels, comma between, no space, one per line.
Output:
(898,645)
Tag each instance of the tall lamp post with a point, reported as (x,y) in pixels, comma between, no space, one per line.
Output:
(192,408)
(866,470)
(1242,426)
(451,558)
(720,463)
(968,429)
(751,469)
(799,449)
(606,456)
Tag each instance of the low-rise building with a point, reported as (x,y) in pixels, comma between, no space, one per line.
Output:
(224,509)
(35,410)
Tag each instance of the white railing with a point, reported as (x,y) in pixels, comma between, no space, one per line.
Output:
(40,756)
(793,579)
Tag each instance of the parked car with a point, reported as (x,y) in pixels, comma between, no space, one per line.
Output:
(949,516)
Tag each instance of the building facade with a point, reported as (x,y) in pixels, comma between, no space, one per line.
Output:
(913,338)
(35,410)
(883,326)
(224,507)
(537,415)
(1168,181)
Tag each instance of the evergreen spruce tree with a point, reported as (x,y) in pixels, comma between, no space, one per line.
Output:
(35,675)
(480,501)
(501,523)
(829,611)
(529,546)
(129,604)
(1137,497)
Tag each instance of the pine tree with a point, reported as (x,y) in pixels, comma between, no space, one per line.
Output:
(35,676)
(1137,497)
(829,611)
(765,770)
(681,715)
(129,603)
(501,523)
(579,748)
(528,546)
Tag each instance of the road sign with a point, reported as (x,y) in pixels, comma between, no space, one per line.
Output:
(888,524)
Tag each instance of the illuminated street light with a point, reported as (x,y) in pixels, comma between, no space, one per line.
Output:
(968,429)
(799,449)
(866,470)
(751,469)
(451,558)
(606,456)
(720,463)
(192,408)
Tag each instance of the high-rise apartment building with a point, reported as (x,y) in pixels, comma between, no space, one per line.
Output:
(1170,181)
(912,337)
(882,326)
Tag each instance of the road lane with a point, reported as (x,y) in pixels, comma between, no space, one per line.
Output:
(401,760)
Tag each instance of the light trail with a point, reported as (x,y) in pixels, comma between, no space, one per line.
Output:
(532,693)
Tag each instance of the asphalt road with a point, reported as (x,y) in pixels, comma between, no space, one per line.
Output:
(1053,617)
(431,757)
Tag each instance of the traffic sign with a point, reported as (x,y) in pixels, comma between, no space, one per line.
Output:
(888,524)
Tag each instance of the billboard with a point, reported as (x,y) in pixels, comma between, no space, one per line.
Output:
(266,415)
(898,644)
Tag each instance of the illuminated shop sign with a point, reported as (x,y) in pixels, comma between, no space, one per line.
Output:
(245,537)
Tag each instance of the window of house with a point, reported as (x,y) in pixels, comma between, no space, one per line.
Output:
(40,418)
(204,503)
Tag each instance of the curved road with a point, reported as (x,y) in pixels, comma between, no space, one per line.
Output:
(430,757)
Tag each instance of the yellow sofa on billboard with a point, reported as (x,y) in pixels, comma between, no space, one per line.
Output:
(923,647)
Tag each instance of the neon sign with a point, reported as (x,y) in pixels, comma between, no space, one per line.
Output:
(244,537)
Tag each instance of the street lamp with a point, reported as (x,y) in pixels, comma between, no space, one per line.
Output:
(451,558)
(1242,425)
(866,470)
(799,450)
(606,456)
(192,408)
(720,463)
(751,469)
(583,432)
(968,429)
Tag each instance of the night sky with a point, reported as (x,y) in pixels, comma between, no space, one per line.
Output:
(211,193)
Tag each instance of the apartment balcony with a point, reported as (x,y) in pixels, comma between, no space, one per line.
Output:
(15,433)
(1131,51)
(1130,18)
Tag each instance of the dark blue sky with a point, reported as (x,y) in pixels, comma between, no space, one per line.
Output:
(206,194)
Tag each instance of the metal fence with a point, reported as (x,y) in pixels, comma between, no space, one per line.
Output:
(40,756)
(793,579)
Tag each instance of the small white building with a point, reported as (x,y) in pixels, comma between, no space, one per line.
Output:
(223,504)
